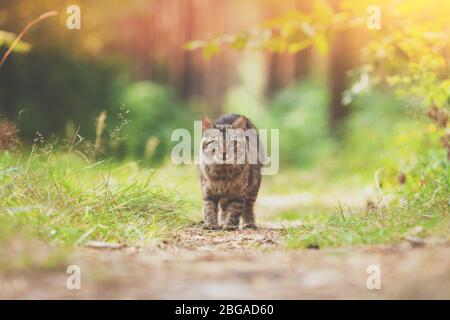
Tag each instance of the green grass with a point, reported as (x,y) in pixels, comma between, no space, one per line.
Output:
(61,198)
(425,220)
(419,211)
(64,199)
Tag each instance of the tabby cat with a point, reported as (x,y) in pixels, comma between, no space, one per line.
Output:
(231,186)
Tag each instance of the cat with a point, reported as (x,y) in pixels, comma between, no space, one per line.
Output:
(231,186)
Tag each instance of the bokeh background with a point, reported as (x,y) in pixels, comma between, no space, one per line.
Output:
(128,69)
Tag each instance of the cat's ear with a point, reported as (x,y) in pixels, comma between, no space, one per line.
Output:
(207,123)
(240,123)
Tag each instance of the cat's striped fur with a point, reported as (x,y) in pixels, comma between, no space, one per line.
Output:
(229,188)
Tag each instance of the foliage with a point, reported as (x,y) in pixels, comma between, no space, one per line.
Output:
(301,111)
(16,44)
(7,39)
(60,90)
(411,51)
(291,32)
(419,215)
(403,159)
(154,112)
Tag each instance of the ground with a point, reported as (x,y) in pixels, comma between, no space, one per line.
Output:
(198,264)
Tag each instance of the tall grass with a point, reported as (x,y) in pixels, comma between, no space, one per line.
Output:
(64,199)
(419,211)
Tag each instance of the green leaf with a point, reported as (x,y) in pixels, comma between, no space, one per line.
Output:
(320,41)
(194,45)
(322,10)
(276,44)
(211,49)
(8,38)
(298,46)
(239,42)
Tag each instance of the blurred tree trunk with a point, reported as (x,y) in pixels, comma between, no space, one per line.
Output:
(186,87)
(339,62)
(302,59)
(302,63)
(273,81)
(285,68)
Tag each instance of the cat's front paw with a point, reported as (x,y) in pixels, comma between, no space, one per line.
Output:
(250,226)
(210,226)
(230,227)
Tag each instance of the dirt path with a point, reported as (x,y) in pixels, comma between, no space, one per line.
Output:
(197,264)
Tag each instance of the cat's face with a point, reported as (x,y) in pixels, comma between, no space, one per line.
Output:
(225,143)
